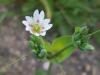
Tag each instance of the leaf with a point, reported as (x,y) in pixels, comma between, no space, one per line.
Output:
(47,45)
(63,46)
(64,55)
(60,43)
(87,47)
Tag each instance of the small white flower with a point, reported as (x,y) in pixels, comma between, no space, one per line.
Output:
(36,24)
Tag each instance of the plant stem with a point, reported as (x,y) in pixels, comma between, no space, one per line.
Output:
(49,70)
(59,52)
(93,33)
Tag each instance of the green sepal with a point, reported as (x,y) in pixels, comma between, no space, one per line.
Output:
(80,38)
(37,46)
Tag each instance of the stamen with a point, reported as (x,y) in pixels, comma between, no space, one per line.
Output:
(36,28)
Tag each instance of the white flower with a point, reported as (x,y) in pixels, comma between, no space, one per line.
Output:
(36,24)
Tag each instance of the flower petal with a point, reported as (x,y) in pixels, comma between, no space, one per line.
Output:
(27,28)
(43,33)
(36,34)
(47,26)
(36,15)
(29,19)
(41,15)
(47,21)
(25,23)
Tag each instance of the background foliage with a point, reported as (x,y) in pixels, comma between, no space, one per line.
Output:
(65,14)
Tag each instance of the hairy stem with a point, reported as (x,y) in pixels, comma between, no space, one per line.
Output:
(49,70)
(93,33)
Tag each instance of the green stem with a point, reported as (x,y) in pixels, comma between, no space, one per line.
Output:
(59,52)
(49,70)
(94,33)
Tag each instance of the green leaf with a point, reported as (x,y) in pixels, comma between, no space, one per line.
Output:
(64,55)
(60,43)
(47,45)
(87,47)
(63,46)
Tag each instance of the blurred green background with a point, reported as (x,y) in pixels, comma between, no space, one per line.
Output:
(65,15)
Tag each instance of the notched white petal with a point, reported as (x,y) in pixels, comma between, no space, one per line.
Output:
(36,13)
(27,28)
(47,21)
(43,33)
(47,26)
(25,23)
(50,25)
(41,16)
(36,16)
(29,19)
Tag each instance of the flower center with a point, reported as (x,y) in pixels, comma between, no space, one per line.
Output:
(36,28)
